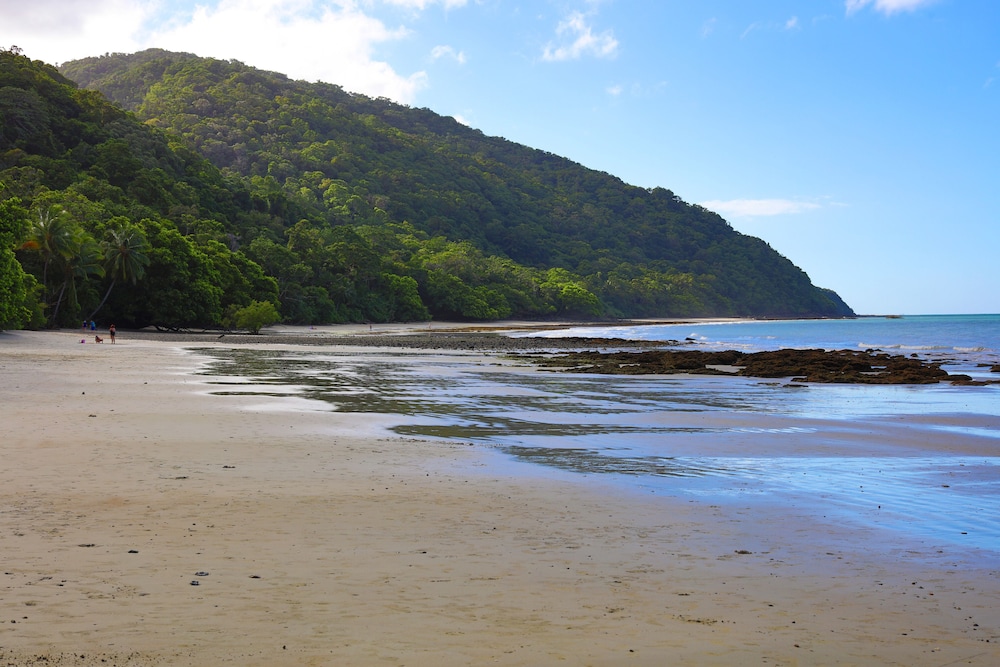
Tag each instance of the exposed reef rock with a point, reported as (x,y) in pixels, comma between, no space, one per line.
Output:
(634,357)
(828,366)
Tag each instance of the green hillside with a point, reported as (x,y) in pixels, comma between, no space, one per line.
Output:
(97,207)
(351,208)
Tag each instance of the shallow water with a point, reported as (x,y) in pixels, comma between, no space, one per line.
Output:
(963,342)
(866,455)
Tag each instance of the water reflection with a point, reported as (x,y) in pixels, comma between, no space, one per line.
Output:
(665,433)
(589,461)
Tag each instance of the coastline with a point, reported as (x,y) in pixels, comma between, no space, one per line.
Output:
(328,540)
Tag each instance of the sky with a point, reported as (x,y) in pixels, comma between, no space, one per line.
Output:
(859,138)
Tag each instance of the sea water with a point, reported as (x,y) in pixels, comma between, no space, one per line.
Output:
(919,462)
(963,340)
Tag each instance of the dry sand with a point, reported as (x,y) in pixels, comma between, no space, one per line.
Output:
(327,541)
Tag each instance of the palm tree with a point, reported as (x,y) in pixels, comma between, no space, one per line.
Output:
(57,239)
(86,262)
(53,236)
(125,258)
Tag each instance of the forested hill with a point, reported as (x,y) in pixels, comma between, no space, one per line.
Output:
(350,159)
(354,208)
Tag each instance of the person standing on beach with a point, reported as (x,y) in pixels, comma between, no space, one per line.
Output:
(111,332)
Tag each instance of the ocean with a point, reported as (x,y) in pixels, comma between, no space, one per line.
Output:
(965,340)
(920,465)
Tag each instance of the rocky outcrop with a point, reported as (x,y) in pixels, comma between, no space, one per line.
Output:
(630,357)
(829,366)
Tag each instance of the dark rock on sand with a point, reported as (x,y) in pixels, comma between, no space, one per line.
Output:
(828,366)
(436,340)
(631,357)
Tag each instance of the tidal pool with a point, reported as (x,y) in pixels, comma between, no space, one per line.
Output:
(917,461)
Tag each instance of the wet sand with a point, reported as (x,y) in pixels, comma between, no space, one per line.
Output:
(320,538)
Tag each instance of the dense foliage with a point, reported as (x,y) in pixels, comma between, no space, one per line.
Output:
(110,216)
(223,186)
(18,301)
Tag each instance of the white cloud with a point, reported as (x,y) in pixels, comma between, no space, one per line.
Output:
(576,39)
(304,39)
(708,27)
(326,40)
(439,52)
(759,207)
(59,30)
(887,6)
(792,23)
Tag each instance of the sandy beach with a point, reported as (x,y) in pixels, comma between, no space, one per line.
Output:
(144,521)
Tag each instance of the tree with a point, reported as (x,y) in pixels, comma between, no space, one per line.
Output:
(54,236)
(403,299)
(125,256)
(66,252)
(569,294)
(84,263)
(181,287)
(17,288)
(255,316)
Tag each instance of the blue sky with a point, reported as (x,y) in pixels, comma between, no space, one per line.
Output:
(860,138)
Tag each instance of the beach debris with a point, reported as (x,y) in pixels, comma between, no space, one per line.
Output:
(201,574)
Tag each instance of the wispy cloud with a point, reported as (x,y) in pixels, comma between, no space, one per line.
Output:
(772,26)
(750,28)
(759,207)
(439,52)
(424,4)
(887,7)
(708,27)
(575,38)
(637,89)
(991,80)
